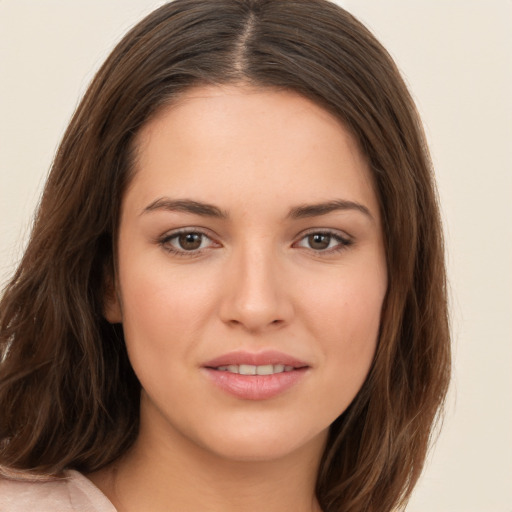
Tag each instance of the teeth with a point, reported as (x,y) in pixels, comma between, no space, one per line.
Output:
(249,369)
(267,369)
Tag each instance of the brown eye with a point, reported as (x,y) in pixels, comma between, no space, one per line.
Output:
(319,241)
(323,241)
(187,243)
(190,241)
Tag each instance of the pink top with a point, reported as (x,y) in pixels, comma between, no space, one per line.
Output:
(75,493)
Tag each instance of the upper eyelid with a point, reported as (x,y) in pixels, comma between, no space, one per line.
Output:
(192,229)
(328,231)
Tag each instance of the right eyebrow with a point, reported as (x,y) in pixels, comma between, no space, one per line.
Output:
(185,205)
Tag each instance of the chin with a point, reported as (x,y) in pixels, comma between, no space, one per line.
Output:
(265,444)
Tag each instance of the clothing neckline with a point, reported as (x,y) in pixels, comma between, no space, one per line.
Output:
(93,493)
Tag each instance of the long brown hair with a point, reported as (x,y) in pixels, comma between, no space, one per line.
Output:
(68,396)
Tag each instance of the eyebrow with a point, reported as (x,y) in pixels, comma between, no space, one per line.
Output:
(187,206)
(298,212)
(314,210)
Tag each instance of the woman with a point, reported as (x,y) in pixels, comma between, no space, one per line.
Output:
(233,297)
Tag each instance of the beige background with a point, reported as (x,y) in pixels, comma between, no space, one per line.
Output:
(457,57)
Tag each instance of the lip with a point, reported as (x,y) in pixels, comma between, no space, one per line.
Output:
(255,387)
(256,359)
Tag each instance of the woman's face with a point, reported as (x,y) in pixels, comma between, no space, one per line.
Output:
(251,272)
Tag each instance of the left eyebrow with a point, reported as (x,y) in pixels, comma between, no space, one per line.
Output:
(314,210)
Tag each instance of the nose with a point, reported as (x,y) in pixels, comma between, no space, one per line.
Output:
(256,297)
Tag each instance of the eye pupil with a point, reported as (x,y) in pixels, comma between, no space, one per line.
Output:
(190,241)
(319,241)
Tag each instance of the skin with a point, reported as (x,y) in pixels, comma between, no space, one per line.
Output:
(258,281)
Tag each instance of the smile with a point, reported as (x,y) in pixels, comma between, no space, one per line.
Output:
(249,369)
(255,376)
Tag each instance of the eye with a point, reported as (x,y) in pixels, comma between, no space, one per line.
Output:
(186,242)
(323,241)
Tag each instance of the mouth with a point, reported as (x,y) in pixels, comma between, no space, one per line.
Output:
(255,376)
(251,363)
(250,369)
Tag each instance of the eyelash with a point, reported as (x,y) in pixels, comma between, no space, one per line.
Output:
(165,242)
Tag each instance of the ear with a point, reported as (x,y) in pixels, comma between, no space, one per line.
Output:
(112,310)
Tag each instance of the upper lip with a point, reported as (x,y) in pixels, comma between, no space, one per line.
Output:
(266,357)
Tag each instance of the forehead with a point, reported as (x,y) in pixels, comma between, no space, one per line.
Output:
(222,141)
(228,110)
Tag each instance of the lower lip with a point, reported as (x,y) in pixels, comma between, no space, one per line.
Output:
(255,387)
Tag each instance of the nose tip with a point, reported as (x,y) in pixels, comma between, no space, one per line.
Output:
(254,320)
(256,297)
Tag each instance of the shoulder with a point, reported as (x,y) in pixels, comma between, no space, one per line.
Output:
(72,493)
(28,495)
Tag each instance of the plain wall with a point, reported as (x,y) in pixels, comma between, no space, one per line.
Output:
(457,57)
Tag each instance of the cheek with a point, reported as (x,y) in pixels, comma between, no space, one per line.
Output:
(159,301)
(348,304)
(345,318)
(166,311)
(163,317)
